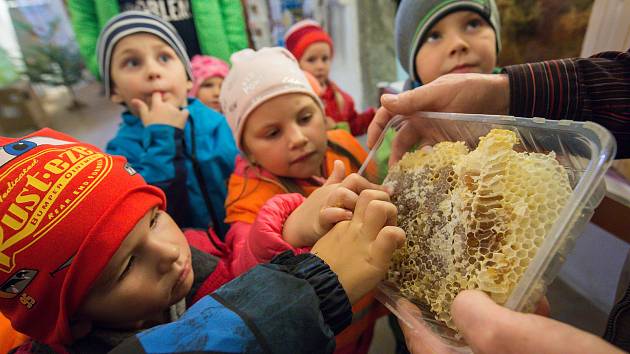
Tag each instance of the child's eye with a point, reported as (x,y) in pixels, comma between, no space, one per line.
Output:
(433,36)
(208,85)
(154,219)
(273,133)
(131,63)
(311,59)
(305,119)
(474,24)
(127,268)
(325,59)
(164,58)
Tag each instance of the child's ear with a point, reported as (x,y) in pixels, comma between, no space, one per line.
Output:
(115,96)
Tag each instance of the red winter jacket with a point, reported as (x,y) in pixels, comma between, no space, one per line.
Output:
(340,107)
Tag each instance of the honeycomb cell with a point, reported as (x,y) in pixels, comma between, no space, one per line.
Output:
(473,219)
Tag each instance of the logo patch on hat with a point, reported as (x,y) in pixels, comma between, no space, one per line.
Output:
(42,188)
(17,283)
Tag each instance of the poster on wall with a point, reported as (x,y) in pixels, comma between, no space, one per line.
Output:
(284,13)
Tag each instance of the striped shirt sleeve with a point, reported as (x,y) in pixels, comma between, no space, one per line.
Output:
(585,89)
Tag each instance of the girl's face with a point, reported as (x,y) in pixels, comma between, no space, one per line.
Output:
(462,42)
(209,92)
(286,135)
(316,60)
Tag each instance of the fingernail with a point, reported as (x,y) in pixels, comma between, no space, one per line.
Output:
(389,189)
(389,99)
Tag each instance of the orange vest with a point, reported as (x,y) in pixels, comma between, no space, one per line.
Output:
(250,187)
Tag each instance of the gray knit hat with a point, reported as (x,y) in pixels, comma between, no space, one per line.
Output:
(128,23)
(415,18)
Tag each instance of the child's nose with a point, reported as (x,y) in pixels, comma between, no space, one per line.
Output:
(458,45)
(153,70)
(168,254)
(297,138)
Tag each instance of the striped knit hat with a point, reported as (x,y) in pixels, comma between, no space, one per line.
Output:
(415,18)
(131,22)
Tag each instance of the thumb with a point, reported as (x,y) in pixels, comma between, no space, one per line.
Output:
(140,106)
(407,102)
(338,173)
(387,241)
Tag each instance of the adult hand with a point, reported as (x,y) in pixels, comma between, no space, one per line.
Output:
(457,93)
(491,328)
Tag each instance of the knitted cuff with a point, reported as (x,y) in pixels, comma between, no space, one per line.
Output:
(334,303)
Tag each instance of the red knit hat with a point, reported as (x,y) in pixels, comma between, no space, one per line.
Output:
(65,208)
(304,33)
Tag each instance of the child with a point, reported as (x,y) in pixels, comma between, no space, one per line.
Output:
(89,257)
(439,37)
(209,73)
(313,49)
(279,126)
(187,152)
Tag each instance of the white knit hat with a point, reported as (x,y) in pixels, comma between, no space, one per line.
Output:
(256,77)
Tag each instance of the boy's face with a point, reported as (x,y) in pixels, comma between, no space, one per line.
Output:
(461,42)
(142,64)
(286,135)
(150,271)
(316,60)
(209,92)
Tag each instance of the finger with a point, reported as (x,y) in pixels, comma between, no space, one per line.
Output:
(543,308)
(378,214)
(156,100)
(389,239)
(358,183)
(328,217)
(405,139)
(409,101)
(376,127)
(506,331)
(342,198)
(140,106)
(338,173)
(365,197)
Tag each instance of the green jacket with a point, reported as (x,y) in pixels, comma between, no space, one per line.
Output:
(222,23)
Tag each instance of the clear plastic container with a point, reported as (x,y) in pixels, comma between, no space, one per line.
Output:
(585,149)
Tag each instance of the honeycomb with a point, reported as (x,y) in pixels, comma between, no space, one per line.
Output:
(473,219)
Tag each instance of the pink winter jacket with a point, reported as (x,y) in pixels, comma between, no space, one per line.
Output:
(256,243)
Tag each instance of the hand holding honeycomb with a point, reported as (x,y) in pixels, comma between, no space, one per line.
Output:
(473,219)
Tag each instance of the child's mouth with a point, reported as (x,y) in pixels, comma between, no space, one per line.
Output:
(462,69)
(303,157)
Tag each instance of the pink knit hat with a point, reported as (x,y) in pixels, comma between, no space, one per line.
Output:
(256,77)
(204,67)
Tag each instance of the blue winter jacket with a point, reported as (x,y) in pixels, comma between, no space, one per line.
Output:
(191,166)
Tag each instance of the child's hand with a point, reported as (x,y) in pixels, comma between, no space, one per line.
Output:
(326,206)
(160,112)
(359,251)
